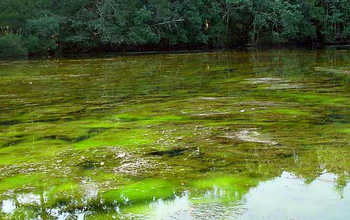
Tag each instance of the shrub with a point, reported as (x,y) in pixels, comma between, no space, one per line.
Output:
(11,45)
(42,34)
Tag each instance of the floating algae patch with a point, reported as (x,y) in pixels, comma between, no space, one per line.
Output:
(66,132)
(67,192)
(56,191)
(11,141)
(236,183)
(101,176)
(31,151)
(223,189)
(32,181)
(309,98)
(148,119)
(19,182)
(97,123)
(102,215)
(283,111)
(140,192)
(127,137)
(344,130)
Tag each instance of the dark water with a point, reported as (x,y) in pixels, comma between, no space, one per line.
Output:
(224,135)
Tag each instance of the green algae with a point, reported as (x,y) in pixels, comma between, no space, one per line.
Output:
(294,112)
(103,215)
(155,120)
(98,175)
(140,192)
(64,193)
(222,190)
(19,181)
(230,188)
(236,183)
(54,186)
(123,138)
(22,213)
(142,131)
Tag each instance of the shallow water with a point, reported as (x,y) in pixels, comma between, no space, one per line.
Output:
(221,135)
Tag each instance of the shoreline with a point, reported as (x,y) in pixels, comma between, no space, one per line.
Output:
(134,51)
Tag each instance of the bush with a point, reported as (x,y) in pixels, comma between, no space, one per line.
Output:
(11,45)
(42,34)
(38,46)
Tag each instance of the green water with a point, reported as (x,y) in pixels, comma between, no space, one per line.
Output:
(222,135)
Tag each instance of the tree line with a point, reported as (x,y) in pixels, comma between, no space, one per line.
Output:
(80,26)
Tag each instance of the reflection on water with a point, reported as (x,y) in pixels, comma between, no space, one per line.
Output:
(8,206)
(289,197)
(222,135)
(284,197)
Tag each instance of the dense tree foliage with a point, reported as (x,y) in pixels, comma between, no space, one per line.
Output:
(73,26)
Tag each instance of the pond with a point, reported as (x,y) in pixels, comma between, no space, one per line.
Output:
(218,135)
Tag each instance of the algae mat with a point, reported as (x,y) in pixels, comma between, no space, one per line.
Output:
(220,135)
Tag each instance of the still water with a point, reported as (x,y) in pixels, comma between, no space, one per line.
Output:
(220,135)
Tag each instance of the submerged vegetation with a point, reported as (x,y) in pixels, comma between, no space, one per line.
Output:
(209,135)
(81,26)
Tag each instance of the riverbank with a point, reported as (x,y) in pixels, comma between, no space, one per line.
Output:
(131,51)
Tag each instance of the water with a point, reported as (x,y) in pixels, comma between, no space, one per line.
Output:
(221,135)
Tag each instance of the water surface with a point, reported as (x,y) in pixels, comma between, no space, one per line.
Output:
(220,135)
